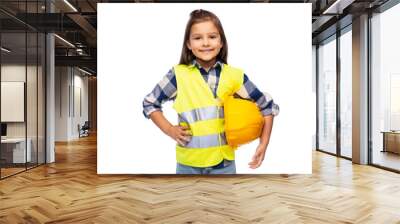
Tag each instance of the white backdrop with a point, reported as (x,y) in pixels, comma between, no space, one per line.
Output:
(139,43)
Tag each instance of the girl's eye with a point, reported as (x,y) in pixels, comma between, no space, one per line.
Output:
(213,37)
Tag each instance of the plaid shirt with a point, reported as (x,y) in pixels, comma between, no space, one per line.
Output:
(166,90)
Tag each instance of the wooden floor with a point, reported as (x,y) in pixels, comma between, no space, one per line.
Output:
(70,191)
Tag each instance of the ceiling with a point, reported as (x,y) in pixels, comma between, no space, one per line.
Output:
(76,22)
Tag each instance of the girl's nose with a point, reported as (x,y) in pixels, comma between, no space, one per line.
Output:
(205,42)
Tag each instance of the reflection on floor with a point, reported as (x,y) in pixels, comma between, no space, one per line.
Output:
(346,151)
(386,159)
(10,169)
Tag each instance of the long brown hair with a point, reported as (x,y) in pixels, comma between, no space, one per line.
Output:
(197,16)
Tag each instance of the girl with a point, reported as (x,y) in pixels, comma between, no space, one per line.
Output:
(198,86)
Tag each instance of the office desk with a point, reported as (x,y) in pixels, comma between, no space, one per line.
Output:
(391,141)
(13,150)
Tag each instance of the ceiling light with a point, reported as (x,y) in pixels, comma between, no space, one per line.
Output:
(70,5)
(338,6)
(86,72)
(5,49)
(64,40)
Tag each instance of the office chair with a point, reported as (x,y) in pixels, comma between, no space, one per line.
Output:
(84,130)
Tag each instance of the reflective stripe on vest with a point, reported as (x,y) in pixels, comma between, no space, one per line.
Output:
(207,141)
(201,114)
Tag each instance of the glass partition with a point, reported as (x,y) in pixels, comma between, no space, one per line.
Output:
(41,111)
(33,73)
(32,95)
(327,96)
(22,77)
(13,109)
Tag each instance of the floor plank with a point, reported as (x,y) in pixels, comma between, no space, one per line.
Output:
(70,191)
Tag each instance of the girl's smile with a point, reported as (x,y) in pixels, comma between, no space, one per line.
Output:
(205,43)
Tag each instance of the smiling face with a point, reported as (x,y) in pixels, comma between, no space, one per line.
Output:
(205,43)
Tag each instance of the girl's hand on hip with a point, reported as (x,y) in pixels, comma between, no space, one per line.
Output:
(180,134)
(258,157)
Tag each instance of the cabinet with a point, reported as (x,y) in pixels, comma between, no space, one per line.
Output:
(391,141)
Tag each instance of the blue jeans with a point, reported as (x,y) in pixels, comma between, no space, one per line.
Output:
(227,167)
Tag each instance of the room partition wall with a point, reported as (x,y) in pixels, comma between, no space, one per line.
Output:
(22,88)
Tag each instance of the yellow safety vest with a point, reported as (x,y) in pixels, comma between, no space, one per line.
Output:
(204,114)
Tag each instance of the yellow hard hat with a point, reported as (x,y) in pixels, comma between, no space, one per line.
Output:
(243,121)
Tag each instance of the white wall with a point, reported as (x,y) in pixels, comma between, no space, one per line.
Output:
(33,127)
(80,84)
(12,73)
(70,83)
(62,80)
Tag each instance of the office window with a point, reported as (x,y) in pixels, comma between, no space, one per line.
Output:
(327,96)
(346,93)
(385,88)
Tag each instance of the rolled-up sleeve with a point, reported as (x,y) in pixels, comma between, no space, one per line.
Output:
(263,100)
(164,91)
